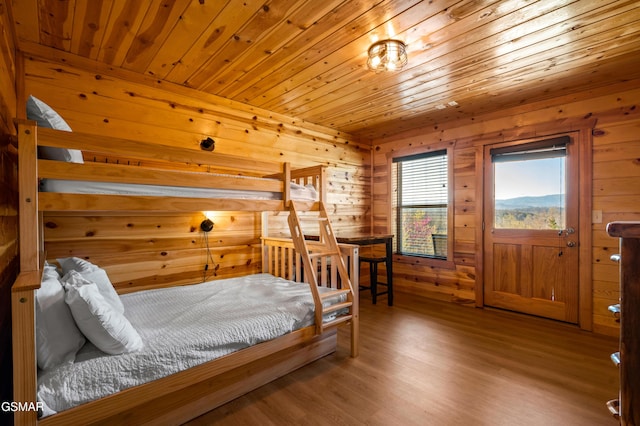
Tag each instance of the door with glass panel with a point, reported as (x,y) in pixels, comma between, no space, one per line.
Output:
(531,227)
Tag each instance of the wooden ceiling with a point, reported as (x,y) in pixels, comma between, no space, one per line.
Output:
(307,58)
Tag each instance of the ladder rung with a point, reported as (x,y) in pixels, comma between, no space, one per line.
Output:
(339,320)
(336,307)
(333,293)
(313,218)
(324,253)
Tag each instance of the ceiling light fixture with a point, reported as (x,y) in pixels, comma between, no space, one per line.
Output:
(387,55)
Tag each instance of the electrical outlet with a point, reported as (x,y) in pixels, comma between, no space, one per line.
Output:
(596,216)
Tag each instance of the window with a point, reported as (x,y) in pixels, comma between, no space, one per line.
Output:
(530,185)
(420,188)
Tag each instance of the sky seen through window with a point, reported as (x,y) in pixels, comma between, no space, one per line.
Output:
(529,178)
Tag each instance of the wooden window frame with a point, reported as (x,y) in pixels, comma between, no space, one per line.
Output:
(447,263)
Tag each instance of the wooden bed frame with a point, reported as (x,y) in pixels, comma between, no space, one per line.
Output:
(185,395)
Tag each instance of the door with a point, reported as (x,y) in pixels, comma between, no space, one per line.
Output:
(531,227)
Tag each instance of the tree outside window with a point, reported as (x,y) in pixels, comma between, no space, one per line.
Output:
(420,204)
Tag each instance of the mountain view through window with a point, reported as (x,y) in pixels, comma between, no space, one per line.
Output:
(530,194)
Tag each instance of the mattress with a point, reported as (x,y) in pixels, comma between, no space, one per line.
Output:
(182,327)
(298,192)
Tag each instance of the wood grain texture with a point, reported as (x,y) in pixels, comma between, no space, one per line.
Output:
(348,195)
(429,362)
(307,59)
(613,161)
(149,150)
(30,239)
(24,345)
(178,118)
(615,190)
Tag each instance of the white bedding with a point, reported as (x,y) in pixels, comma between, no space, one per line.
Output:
(181,327)
(298,192)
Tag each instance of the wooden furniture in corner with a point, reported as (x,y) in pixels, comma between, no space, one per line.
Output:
(368,239)
(627,407)
(387,259)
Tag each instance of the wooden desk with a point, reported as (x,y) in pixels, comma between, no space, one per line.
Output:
(367,240)
(371,239)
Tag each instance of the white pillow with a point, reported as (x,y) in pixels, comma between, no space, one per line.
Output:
(46,116)
(57,336)
(94,274)
(76,264)
(106,328)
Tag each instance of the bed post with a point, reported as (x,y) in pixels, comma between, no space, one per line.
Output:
(24,345)
(24,289)
(264,230)
(350,255)
(30,240)
(286,178)
(322,176)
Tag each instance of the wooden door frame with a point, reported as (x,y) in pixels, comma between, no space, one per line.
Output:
(581,131)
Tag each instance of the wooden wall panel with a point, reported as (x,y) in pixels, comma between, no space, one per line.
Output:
(92,98)
(138,251)
(615,180)
(616,193)
(9,261)
(456,281)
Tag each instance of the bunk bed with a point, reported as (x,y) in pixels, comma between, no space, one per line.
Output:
(182,395)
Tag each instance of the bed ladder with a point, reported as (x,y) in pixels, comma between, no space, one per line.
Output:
(317,254)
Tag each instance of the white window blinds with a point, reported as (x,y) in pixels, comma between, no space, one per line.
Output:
(420,204)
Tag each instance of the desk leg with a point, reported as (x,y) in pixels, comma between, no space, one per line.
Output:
(389,264)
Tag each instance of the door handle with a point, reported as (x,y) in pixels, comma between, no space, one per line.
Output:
(571,244)
(566,232)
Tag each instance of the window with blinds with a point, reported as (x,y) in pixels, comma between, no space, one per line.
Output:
(420,204)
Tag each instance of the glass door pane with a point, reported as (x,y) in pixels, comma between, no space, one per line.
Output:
(530,194)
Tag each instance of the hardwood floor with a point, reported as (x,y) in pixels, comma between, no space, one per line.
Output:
(424,362)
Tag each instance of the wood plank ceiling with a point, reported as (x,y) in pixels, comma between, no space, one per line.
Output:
(307,58)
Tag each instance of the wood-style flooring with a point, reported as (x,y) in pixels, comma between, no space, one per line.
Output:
(425,362)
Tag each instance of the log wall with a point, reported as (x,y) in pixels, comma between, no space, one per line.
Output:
(140,250)
(615,181)
(94,98)
(8,198)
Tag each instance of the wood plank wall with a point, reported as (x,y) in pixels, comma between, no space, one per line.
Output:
(8,198)
(140,251)
(616,192)
(616,186)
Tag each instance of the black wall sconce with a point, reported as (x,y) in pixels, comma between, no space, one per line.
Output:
(207,144)
(206,225)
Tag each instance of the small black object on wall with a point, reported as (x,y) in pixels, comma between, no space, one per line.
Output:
(206,225)
(207,144)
